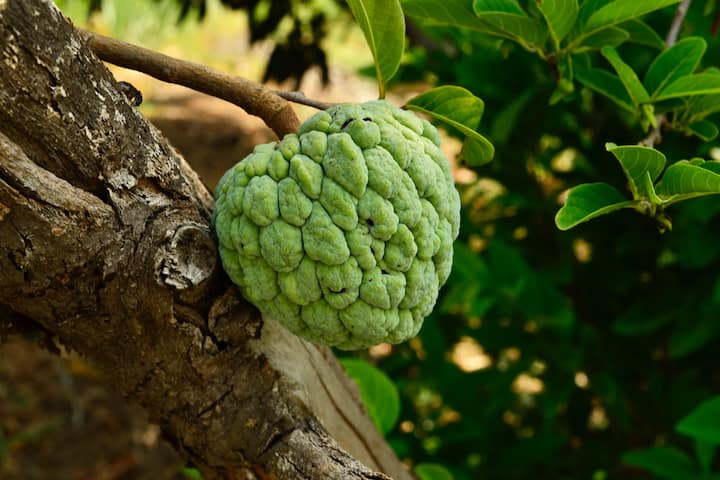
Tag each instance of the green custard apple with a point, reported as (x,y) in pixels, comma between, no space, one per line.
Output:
(344,231)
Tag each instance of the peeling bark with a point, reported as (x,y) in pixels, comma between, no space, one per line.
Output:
(105,242)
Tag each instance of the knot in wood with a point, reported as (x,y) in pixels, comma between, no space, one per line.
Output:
(188,260)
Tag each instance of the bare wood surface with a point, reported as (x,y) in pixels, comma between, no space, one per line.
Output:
(105,241)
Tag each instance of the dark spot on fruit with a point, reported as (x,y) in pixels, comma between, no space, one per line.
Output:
(347,122)
(384,272)
(367,119)
(370,222)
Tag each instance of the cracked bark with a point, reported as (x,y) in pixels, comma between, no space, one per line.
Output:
(105,242)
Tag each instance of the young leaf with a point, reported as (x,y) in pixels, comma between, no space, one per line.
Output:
(588,201)
(627,75)
(664,462)
(432,471)
(703,423)
(637,162)
(623,10)
(379,393)
(677,61)
(689,85)
(457,13)
(462,110)
(560,16)
(383,25)
(683,180)
(642,34)
(606,84)
(510,21)
(612,36)
(704,129)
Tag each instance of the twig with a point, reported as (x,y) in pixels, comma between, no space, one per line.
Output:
(252,97)
(655,135)
(300,98)
(677,22)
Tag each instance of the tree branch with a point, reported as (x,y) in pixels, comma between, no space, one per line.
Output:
(655,135)
(252,97)
(105,241)
(300,98)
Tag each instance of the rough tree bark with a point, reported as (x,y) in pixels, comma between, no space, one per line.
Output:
(105,241)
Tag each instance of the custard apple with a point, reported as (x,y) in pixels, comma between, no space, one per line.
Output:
(344,231)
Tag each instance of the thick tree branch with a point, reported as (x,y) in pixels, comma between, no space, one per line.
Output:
(105,241)
(252,97)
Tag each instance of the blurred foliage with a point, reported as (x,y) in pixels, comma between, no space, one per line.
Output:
(296,27)
(589,353)
(551,355)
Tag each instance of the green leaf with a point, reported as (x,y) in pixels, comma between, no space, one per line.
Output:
(704,129)
(637,161)
(588,8)
(698,84)
(462,110)
(683,180)
(642,319)
(378,392)
(703,423)
(191,473)
(677,61)
(704,451)
(692,334)
(507,6)
(627,75)
(665,462)
(432,471)
(476,152)
(701,106)
(606,84)
(560,16)
(623,10)
(506,19)
(648,187)
(460,13)
(505,121)
(588,201)
(612,36)
(456,13)
(642,34)
(383,25)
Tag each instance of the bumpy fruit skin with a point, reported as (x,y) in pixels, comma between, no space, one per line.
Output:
(343,232)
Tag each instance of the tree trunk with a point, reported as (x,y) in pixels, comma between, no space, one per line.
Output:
(105,241)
